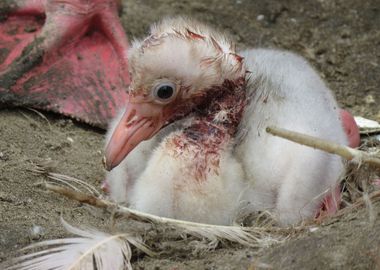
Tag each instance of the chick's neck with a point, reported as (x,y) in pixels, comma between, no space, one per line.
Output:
(211,130)
(217,118)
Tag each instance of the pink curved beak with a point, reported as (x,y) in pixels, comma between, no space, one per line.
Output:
(140,122)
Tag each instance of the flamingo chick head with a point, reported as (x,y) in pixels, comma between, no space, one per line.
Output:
(177,69)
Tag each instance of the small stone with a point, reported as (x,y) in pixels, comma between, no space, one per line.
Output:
(346,33)
(3,156)
(369,99)
(260,17)
(36,232)
(5,197)
(313,229)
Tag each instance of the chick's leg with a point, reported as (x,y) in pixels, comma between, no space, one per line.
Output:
(309,180)
(60,27)
(51,48)
(351,128)
(66,21)
(331,202)
(15,15)
(114,31)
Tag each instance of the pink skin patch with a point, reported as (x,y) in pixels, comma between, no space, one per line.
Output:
(105,186)
(376,182)
(351,128)
(67,57)
(331,202)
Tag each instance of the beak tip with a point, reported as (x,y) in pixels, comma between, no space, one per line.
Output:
(106,164)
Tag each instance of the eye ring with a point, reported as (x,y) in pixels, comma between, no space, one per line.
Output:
(164,92)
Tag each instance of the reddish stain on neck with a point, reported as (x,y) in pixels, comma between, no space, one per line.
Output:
(212,130)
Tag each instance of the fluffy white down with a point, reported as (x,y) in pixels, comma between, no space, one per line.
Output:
(288,93)
(267,172)
(123,177)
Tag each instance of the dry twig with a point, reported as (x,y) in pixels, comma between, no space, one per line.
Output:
(327,146)
(247,236)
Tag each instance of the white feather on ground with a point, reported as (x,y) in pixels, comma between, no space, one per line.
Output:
(92,249)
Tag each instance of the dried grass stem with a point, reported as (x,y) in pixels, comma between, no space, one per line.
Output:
(327,146)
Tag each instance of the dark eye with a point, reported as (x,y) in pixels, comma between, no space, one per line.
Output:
(164,92)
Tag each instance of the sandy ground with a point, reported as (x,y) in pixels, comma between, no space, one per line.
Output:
(340,38)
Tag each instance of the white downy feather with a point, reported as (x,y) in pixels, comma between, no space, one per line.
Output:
(92,249)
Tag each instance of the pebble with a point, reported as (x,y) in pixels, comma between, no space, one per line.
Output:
(369,99)
(36,232)
(313,229)
(260,17)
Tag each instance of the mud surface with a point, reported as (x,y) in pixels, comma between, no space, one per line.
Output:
(340,38)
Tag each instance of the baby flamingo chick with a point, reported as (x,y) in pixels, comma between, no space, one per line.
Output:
(202,109)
